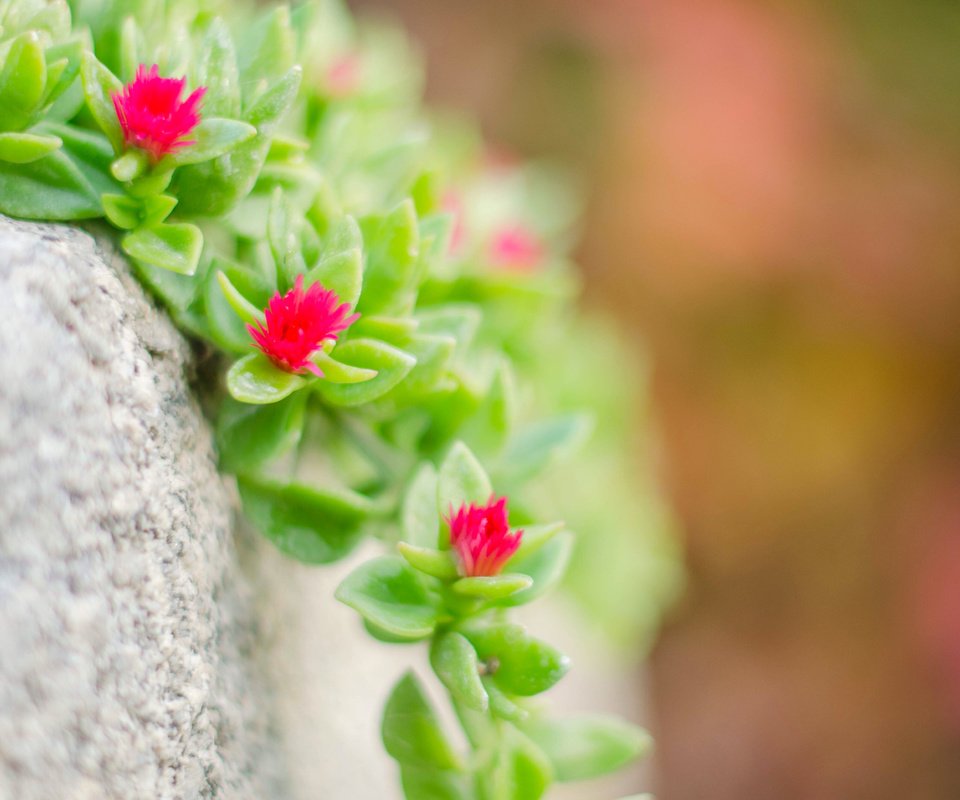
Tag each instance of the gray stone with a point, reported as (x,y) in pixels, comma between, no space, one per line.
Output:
(126,627)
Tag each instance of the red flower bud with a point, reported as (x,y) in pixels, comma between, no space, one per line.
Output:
(298,323)
(151,114)
(481,538)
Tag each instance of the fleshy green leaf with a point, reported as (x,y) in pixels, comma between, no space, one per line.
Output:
(229,296)
(393,330)
(391,364)
(283,239)
(586,747)
(503,706)
(456,664)
(172,246)
(546,565)
(244,309)
(494,587)
(419,519)
(393,244)
(390,594)
(433,353)
(436,563)
(526,666)
(22,148)
(99,86)
(340,266)
(217,70)
(411,730)
(248,435)
(462,480)
(532,449)
(335,372)
(157,207)
(433,784)
(521,770)
(269,48)
(534,537)
(122,211)
(52,188)
(212,138)
(22,81)
(312,525)
(130,166)
(254,379)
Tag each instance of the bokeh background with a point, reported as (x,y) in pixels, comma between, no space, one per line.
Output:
(774,214)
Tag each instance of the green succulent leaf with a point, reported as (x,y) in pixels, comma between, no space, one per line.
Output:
(228,307)
(340,265)
(411,730)
(99,86)
(535,447)
(22,81)
(581,748)
(255,379)
(392,366)
(521,770)
(419,519)
(269,47)
(456,664)
(248,435)
(245,310)
(534,537)
(393,247)
(436,563)
(390,594)
(494,587)
(172,246)
(503,706)
(216,69)
(434,784)
(461,480)
(525,665)
(335,372)
(22,148)
(313,525)
(52,188)
(545,565)
(122,211)
(212,138)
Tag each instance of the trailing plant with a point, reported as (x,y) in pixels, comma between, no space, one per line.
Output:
(392,313)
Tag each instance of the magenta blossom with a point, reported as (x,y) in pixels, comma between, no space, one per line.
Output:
(516,247)
(298,323)
(153,117)
(480,536)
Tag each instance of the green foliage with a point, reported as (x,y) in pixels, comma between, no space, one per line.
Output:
(468,374)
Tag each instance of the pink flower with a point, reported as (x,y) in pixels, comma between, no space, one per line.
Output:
(343,75)
(151,114)
(298,323)
(515,247)
(481,537)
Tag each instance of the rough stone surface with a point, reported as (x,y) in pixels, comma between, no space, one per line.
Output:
(125,627)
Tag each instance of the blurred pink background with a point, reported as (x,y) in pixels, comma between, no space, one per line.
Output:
(774,197)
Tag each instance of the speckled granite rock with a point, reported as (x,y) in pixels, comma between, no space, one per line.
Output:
(125,625)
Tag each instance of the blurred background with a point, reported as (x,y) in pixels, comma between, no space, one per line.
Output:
(774,213)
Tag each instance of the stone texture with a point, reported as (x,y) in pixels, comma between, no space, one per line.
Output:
(125,626)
